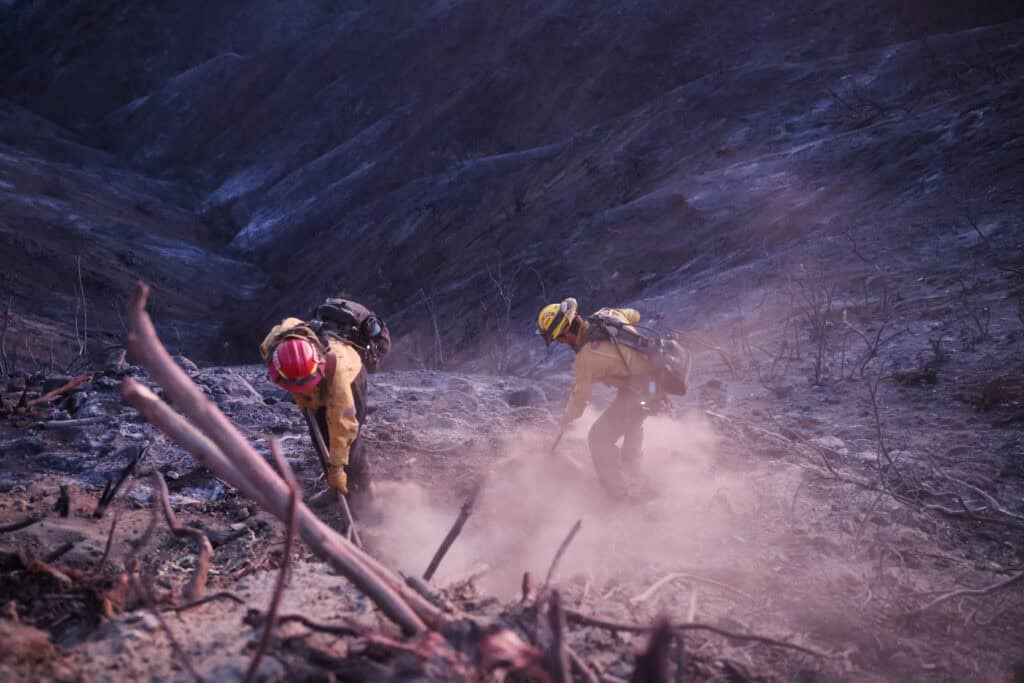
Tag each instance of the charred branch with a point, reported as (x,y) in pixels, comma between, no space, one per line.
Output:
(453,533)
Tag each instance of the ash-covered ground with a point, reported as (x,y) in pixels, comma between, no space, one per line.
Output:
(782,507)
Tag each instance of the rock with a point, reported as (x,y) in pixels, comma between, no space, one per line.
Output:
(17,382)
(272,394)
(186,365)
(106,383)
(90,408)
(236,388)
(75,401)
(526,397)
(85,441)
(149,623)
(714,392)
(114,361)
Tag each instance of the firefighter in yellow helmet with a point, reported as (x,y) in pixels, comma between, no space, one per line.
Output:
(600,359)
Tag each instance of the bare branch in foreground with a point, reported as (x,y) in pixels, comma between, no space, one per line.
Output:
(226,453)
(323,540)
(282,574)
(558,654)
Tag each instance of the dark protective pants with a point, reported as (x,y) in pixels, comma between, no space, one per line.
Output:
(623,419)
(360,474)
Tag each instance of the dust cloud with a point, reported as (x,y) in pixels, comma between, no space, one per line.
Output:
(532,500)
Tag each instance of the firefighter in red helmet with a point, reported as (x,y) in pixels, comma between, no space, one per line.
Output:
(326,377)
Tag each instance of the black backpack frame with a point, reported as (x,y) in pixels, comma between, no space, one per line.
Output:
(670,361)
(353,324)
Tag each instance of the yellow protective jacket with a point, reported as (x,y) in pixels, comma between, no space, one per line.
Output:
(599,361)
(334,393)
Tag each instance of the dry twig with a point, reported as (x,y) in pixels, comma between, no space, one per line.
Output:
(223,595)
(106,549)
(111,490)
(584,620)
(967,591)
(558,555)
(197,584)
(453,533)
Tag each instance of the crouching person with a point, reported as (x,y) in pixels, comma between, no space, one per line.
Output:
(326,378)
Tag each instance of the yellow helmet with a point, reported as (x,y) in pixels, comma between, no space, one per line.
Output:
(554,319)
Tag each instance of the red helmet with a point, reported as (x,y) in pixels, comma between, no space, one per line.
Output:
(296,365)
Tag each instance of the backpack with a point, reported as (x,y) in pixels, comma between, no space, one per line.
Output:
(355,325)
(670,361)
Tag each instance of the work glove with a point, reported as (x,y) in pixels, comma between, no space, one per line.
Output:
(337,479)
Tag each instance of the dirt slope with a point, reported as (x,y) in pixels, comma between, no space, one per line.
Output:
(757,523)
